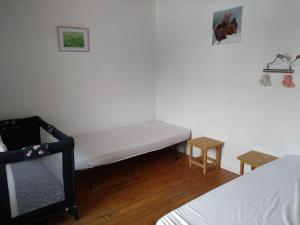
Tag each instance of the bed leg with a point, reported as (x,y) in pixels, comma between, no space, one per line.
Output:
(91,176)
(75,213)
(175,148)
(184,147)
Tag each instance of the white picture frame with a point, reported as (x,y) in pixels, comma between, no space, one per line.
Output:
(73,39)
(227,26)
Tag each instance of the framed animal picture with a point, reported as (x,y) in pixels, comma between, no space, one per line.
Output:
(227,26)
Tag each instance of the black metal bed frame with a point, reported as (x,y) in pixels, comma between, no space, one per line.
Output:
(27,132)
(91,171)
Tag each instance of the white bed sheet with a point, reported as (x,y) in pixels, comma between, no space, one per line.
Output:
(109,146)
(269,195)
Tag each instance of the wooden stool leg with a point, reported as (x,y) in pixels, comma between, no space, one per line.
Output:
(190,155)
(241,168)
(252,168)
(204,161)
(218,157)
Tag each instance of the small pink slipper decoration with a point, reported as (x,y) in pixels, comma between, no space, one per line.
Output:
(288,81)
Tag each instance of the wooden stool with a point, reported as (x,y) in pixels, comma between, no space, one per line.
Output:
(254,159)
(205,143)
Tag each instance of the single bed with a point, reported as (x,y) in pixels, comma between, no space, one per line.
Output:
(269,195)
(113,145)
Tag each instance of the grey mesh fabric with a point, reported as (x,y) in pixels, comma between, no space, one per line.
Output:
(34,186)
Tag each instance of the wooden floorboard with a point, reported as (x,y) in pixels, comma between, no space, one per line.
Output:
(140,190)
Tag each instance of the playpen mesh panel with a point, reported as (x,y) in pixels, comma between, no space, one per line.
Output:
(35,184)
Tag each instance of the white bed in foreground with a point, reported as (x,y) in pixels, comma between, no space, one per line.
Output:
(109,146)
(269,195)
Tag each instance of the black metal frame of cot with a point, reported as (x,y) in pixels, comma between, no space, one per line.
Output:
(65,145)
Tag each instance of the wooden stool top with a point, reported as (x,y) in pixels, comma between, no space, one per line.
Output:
(205,143)
(256,159)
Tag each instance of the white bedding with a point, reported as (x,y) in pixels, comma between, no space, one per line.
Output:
(269,195)
(109,146)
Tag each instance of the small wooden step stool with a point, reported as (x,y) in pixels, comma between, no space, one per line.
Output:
(205,143)
(254,159)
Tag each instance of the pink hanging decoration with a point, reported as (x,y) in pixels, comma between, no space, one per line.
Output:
(288,81)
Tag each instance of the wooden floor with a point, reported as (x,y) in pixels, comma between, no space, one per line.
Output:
(141,190)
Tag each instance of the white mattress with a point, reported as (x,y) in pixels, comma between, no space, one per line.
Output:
(270,195)
(109,146)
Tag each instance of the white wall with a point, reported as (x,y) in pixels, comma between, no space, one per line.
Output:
(214,90)
(110,86)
